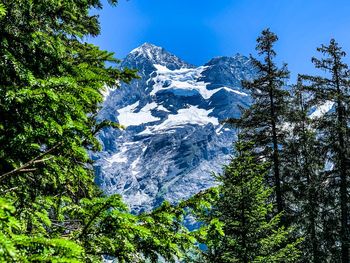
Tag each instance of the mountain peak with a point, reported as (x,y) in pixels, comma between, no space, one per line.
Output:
(146,48)
(150,53)
(173,138)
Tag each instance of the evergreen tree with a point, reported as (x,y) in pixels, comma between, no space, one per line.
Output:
(333,89)
(250,234)
(303,168)
(263,121)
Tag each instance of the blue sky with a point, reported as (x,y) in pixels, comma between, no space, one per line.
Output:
(197,30)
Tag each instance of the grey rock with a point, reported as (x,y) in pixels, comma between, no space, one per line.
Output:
(174,139)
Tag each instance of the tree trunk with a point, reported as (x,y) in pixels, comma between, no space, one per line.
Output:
(343,174)
(275,157)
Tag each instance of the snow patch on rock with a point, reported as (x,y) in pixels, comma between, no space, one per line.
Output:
(184,81)
(322,109)
(129,116)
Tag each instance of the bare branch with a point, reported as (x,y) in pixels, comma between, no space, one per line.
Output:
(36,160)
(9,190)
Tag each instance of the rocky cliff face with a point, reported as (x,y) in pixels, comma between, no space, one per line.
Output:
(174,139)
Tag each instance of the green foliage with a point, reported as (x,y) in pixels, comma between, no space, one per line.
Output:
(17,247)
(95,227)
(104,226)
(242,228)
(2,11)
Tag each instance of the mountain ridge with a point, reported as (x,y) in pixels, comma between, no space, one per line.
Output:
(173,139)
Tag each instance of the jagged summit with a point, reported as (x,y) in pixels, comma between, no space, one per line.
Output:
(150,54)
(146,48)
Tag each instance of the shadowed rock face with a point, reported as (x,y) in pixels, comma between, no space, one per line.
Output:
(174,139)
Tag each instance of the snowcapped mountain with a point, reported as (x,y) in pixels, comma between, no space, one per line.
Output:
(173,139)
